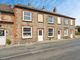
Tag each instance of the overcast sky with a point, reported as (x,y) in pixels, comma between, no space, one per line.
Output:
(67,7)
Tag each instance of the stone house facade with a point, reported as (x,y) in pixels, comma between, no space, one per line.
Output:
(32,25)
(6,24)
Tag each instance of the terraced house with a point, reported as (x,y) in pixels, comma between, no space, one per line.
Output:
(24,24)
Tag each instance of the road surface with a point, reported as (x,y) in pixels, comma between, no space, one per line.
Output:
(64,50)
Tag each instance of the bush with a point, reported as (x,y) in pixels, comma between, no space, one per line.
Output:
(79,30)
(8,41)
(66,37)
(77,33)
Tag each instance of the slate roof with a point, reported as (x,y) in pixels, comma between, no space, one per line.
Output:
(6,8)
(9,9)
(44,11)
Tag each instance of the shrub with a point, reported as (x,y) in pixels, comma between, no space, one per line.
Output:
(77,33)
(8,41)
(79,30)
(66,37)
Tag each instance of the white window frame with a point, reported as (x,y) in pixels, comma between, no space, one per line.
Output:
(53,32)
(52,19)
(66,32)
(59,20)
(26,15)
(23,32)
(66,21)
(40,15)
(71,22)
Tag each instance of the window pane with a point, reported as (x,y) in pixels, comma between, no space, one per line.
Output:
(59,20)
(71,22)
(27,34)
(27,13)
(26,18)
(66,21)
(40,32)
(50,32)
(27,31)
(50,19)
(1,32)
(65,32)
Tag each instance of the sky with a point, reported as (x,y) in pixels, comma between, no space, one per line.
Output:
(66,7)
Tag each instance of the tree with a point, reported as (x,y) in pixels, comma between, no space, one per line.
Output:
(78,29)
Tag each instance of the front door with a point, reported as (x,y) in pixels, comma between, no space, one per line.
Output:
(59,34)
(40,34)
(2,37)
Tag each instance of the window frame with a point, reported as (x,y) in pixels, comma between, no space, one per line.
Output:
(28,16)
(23,32)
(53,32)
(67,31)
(42,16)
(59,21)
(66,23)
(52,19)
(71,22)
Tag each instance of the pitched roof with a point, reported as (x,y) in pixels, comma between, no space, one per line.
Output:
(44,11)
(6,8)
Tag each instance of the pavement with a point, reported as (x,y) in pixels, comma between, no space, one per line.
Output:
(27,51)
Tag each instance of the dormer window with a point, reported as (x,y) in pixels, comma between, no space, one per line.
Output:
(27,16)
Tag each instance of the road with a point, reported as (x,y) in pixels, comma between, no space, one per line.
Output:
(64,50)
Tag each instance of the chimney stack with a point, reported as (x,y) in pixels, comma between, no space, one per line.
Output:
(54,10)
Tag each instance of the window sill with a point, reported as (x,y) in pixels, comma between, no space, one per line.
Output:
(27,37)
(27,20)
(66,24)
(50,36)
(50,23)
(59,24)
(40,22)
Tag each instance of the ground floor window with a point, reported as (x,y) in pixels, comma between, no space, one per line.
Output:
(50,32)
(27,32)
(65,32)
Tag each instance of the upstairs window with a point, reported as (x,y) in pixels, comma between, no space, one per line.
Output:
(65,21)
(59,20)
(71,22)
(40,17)
(50,19)
(27,16)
